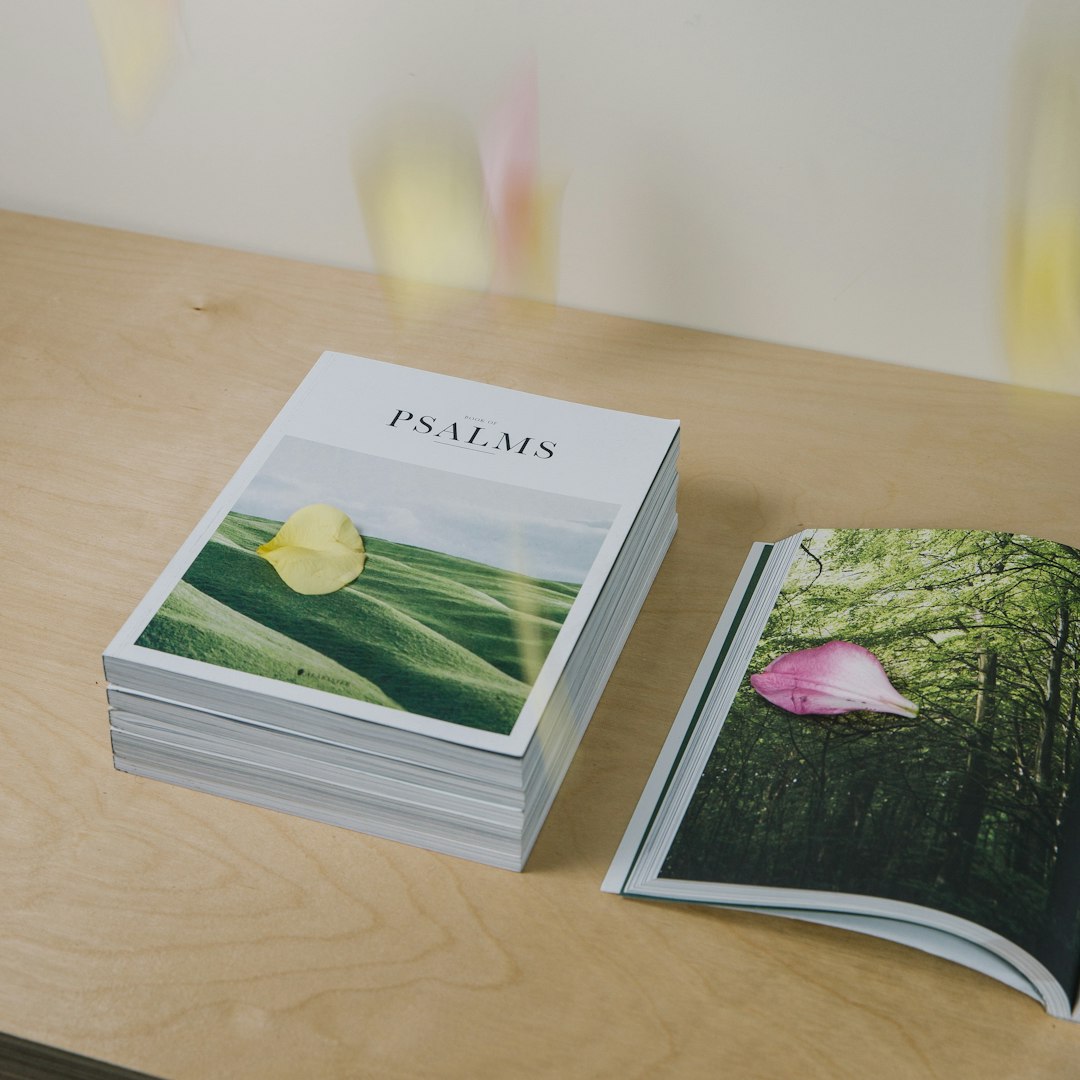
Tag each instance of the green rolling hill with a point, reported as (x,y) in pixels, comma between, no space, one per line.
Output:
(418,630)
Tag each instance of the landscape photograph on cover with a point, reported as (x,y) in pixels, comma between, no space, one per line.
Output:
(466,585)
(970,807)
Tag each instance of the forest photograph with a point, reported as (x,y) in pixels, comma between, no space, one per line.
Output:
(967,802)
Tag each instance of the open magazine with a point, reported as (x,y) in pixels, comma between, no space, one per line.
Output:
(883,735)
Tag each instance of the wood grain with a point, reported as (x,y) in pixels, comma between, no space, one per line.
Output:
(188,936)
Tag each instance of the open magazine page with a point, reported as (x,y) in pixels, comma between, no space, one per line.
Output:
(956,805)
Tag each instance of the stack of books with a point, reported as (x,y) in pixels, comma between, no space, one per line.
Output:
(401,612)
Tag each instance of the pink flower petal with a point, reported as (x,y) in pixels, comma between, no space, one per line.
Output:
(830,679)
(509,156)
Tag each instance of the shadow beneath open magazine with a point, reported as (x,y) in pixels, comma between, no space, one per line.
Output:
(842,961)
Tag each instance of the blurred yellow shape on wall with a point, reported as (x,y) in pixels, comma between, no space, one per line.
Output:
(444,207)
(139,47)
(1042,268)
(421,190)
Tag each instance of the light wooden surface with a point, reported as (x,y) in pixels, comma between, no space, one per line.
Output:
(188,936)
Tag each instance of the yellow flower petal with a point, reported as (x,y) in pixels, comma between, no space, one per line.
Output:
(140,45)
(1042,268)
(316,551)
(315,573)
(421,189)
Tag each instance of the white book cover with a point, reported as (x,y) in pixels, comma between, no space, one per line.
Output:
(490,519)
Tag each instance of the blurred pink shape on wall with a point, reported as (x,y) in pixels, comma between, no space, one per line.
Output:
(443,206)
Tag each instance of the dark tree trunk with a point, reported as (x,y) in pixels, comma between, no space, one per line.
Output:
(1051,705)
(964,834)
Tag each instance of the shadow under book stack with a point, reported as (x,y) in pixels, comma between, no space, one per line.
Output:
(401,612)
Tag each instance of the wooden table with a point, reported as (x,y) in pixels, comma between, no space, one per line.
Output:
(189,936)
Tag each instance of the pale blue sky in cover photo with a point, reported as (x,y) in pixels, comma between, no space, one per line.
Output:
(545,535)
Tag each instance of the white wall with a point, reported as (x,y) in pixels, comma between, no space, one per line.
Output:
(825,173)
